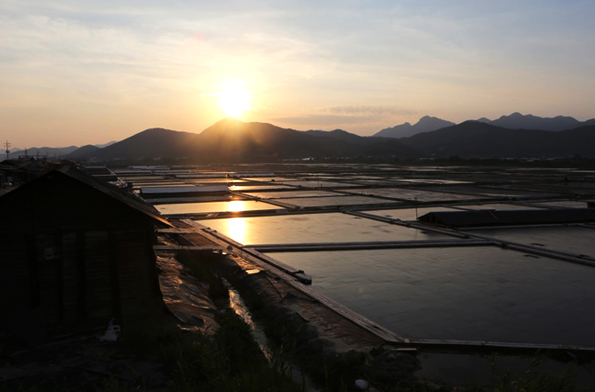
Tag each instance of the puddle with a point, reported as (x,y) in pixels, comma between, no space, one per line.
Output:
(236,303)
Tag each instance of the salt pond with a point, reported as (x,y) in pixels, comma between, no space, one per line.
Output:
(466,293)
(313,228)
(222,206)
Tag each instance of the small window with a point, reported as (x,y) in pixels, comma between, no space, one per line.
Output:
(48,254)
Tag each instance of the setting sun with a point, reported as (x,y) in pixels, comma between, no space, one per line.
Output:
(234,101)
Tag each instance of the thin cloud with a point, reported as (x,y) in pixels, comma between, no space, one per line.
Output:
(323,120)
(367,111)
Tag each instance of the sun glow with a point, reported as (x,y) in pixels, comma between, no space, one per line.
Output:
(236,206)
(234,101)
(237,229)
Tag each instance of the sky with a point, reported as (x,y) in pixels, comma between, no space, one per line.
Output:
(77,73)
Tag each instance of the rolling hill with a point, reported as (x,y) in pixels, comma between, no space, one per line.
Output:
(84,152)
(45,151)
(475,139)
(231,140)
(555,124)
(153,143)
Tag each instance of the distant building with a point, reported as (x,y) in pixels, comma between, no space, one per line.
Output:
(74,253)
(21,172)
(37,158)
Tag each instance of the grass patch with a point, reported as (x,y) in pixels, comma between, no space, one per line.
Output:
(294,341)
(534,380)
(230,360)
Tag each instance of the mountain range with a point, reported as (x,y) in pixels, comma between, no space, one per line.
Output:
(53,151)
(513,121)
(554,124)
(231,140)
(234,141)
(475,139)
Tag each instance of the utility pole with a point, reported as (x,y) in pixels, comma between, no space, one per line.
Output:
(7,146)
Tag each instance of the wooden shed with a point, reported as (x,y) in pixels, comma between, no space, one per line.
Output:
(74,253)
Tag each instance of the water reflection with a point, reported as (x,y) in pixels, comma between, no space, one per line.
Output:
(208,207)
(236,206)
(239,307)
(313,228)
(236,229)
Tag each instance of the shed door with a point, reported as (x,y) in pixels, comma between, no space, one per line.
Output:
(98,279)
(73,279)
(48,250)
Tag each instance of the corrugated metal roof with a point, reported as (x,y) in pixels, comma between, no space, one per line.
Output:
(508,217)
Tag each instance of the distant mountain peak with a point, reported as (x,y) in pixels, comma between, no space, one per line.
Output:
(517,120)
(225,125)
(155,130)
(342,131)
(425,124)
(229,120)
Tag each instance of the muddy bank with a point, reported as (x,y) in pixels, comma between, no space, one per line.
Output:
(330,349)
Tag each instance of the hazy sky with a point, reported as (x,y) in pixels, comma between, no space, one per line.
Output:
(86,72)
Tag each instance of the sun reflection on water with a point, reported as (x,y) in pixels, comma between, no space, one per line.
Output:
(237,229)
(236,206)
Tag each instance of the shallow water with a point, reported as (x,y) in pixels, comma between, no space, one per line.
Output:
(411,194)
(466,293)
(570,239)
(313,228)
(236,303)
(222,206)
(407,214)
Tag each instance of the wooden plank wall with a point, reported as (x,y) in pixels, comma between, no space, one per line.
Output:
(98,293)
(70,279)
(15,282)
(48,277)
(90,277)
(133,258)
